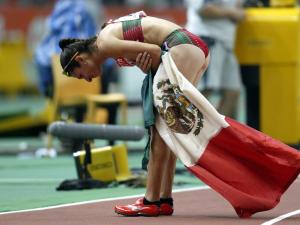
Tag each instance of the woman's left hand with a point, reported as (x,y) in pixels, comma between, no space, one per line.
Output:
(144,61)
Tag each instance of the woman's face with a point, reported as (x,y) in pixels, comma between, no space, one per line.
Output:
(88,68)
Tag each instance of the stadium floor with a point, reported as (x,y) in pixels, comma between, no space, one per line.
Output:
(200,206)
(27,182)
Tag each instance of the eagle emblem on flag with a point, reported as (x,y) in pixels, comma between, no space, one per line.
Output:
(179,113)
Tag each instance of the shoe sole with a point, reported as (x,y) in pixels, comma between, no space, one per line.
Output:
(136,215)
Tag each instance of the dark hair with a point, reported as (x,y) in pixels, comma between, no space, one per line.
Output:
(69,48)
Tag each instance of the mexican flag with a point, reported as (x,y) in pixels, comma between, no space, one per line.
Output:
(248,168)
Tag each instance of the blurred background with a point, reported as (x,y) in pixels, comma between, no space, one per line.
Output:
(30,31)
(267,47)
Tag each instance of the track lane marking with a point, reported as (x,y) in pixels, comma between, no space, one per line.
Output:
(282,217)
(29,180)
(98,200)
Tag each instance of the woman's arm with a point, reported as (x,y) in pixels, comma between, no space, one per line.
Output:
(130,49)
(216,11)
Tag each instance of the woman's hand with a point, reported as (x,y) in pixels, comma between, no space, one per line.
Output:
(144,61)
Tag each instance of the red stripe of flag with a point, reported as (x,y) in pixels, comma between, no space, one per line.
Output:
(248,168)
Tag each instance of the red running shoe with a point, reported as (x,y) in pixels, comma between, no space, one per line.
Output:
(166,209)
(138,209)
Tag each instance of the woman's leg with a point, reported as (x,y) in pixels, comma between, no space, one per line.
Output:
(168,176)
(150,204)
(157,166)
(192,69)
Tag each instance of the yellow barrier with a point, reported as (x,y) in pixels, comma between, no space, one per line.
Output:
(282,3)
(270,38)
(109,163)
(13,60)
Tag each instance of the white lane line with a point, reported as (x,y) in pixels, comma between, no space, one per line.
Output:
(29,180)
(282,217)
(99,200)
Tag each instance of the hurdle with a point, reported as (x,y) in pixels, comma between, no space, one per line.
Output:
(85,133)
